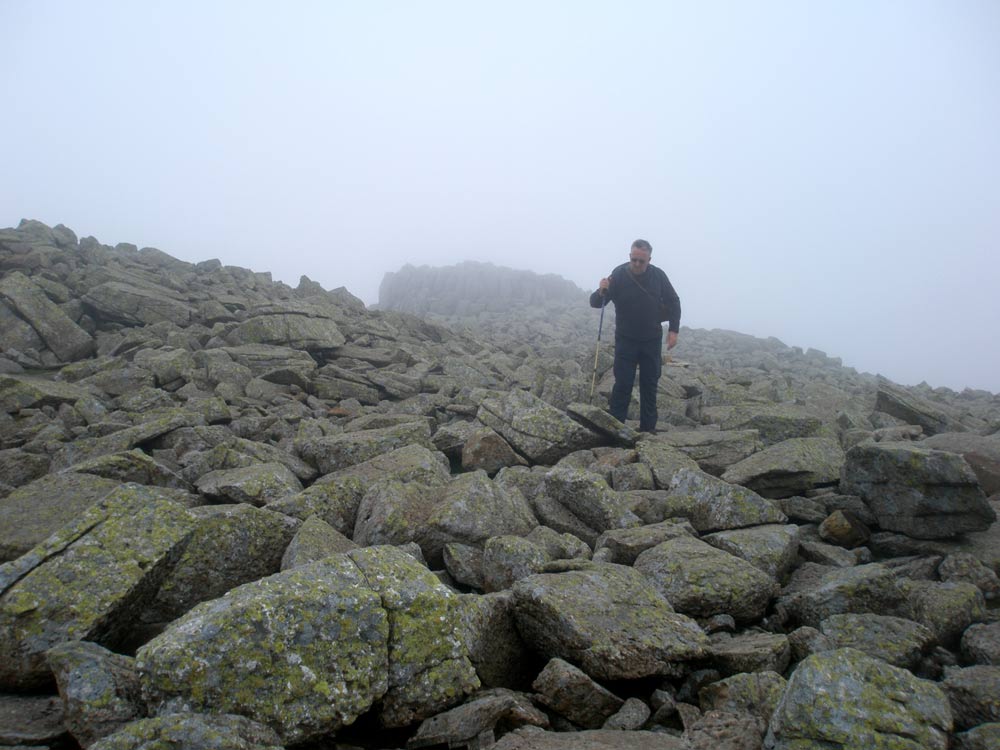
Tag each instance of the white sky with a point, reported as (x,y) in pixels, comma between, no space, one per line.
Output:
(827,172)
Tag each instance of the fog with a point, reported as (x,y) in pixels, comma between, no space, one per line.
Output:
(824,172)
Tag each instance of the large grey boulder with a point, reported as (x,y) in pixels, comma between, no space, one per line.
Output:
(131,304)
(913,409)
(314,540)
(772,548)
(258,484)
(623,546)
(571,693)
(974,694)
(945,608)
(923,493)
(816,592)
(488,626)
(718,505)
(335,452)
(32,392)
(88,581)
(541,432)
(587,497)
(663,459)
(289,329)
(773,422)
(335,497)
(607,619)
(981,452)
(701,581)
(895,640)
(790,467)
(844,698)
(757,693)
(60,334)
(99,689)
(533,738)
(714,450)
(308,650)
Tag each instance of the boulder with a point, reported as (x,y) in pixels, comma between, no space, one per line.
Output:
(790,467)
(31,721)
(571,693)
(259,484)
(756,693)
(974,695)
(532,738)
(816,592)
(335,452)
(288,329)
(664,460)
(607,619)
(99,689)
(981,452)
(750,652)
(719,505)
(714,450)
(587,497)
(981,644)
(771,548)
(923,493)
(88,581)
(895,640)
(65,338)
(314,540)
(464,725)
(541,432)
(846,698)
(913,409)
(701,581)
(486,450)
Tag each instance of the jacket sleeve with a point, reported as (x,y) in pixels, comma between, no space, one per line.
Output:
(596,300)
(673,303)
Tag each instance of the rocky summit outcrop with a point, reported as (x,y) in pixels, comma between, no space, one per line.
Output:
(237,514)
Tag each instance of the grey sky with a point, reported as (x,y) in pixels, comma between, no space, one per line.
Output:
(823,172)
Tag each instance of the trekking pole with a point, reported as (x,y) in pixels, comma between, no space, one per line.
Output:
(593,380)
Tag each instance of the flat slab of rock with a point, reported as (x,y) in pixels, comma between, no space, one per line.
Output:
(789,467)
(913,409)
(192,730)
(31,513)
(922,493)
(896,640)
(30,719)
(772,548)
(30,392)
(714,450)
(816,592)
(608,619)
(982,453)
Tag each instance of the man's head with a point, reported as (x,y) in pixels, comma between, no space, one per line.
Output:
(638,257)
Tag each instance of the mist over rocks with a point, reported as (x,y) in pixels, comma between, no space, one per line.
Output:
(240,514)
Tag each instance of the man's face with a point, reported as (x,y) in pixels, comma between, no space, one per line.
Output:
(638,261)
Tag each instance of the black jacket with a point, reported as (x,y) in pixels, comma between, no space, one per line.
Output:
(637,313)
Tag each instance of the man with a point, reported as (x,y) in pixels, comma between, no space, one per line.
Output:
(638,290)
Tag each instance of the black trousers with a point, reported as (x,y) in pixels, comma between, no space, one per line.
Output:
(647,356)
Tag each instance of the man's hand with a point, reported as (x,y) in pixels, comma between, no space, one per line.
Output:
(603,286)
(671,339)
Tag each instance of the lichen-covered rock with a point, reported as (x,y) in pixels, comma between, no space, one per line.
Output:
(192,731)
(750,652)
(757,693)
(588,497)
(963,566)
(982,737)
(623,546)
(774,423)
(464,724)
(314,540)
(664,460)
(844,529)
(258,485)
(304,652)
(700,580)
(913,409)
(981,644)
(31,392)
(334,452)
(896,640)
(533,428)
(844,698)
(981,452)
(31,513)
(231,545)
(488,627)
(99,689)
(608,619)
(487,450)
(60,333)
(974,694)
(31,721)
(789,467)
(335,497)
(138,305)
(714,450)
(288,329)
(428,663)
(88,581)
(131,466)
(817,592)
(507,559)
(559,546)
(719,505)
(946,609)
(923,493)
(772,548)
(571,693)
